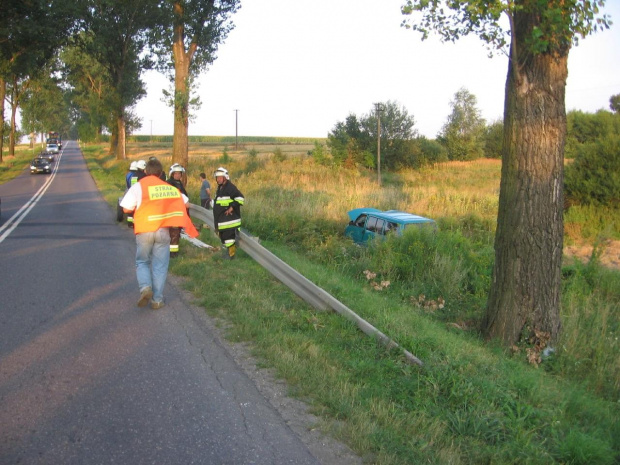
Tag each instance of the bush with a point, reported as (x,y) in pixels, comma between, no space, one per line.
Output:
(594,177)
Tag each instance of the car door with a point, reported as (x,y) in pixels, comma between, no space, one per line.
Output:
(371,228)
(355,229)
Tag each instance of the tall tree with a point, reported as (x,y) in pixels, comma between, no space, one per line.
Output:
(187,43)
(121,51)
(30,34)
(463,133)
(614,103)
(525,290)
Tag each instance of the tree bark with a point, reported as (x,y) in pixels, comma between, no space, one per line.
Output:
(121,142)
(2,97)
(14,100)
(526,285)
(182,61)
(113,140)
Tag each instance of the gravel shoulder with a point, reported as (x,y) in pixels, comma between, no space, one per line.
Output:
(294,412)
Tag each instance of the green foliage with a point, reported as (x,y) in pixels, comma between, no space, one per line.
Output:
(463,133)
(557,25)
(614,103)
(587,128)
(225,158)
(594,177)
(278,155)
(493,139)
(355,139)
(318,153)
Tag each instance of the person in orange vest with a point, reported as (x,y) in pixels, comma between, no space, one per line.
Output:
(157,206)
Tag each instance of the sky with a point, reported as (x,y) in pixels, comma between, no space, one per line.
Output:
(296,68)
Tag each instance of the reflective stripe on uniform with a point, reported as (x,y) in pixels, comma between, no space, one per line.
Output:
(229,224)
(163,216)
(224,201)
(239,200)
(174,247)
(229,242)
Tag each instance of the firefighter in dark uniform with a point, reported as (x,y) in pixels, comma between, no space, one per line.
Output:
(174,179)
(227,212)
(136,172)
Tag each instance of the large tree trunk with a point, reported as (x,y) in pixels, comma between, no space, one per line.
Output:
(525,291)
(182,60)
(2,97)
(121,145)
(113,140)
(13,128)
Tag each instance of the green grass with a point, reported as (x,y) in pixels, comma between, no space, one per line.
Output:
(472,402)
(12,167)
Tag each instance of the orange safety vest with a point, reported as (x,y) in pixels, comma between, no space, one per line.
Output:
(162,207)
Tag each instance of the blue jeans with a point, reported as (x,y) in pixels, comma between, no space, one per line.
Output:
(152,258)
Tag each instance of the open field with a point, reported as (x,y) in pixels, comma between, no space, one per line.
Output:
(472,402)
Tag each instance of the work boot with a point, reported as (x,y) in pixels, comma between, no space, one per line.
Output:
(231,251)
(145,296)
(225,254)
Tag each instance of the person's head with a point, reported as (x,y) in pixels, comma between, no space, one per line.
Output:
(221,176)
(176,171)
(132,166)
(203,176)
(153,167)
(140,165)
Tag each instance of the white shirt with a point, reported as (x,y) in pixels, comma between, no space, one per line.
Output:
(133,197)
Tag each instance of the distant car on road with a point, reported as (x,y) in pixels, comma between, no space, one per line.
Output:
(52,147)
(367,223)
(49,156)
(40,165)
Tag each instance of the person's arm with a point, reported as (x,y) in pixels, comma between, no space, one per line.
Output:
(129,203)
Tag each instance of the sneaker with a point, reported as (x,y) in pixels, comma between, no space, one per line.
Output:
(145,296)
(157,305)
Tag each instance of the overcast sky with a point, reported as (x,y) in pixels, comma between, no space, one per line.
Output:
(296,68)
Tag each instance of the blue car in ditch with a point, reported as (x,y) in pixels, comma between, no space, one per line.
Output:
(367,224)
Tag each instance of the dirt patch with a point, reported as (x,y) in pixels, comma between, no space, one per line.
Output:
(609,253)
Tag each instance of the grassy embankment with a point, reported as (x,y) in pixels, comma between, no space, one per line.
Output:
(472,402)
(12,166)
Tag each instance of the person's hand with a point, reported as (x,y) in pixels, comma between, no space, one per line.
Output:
(228,211)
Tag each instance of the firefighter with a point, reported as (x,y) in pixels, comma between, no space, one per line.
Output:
(227,212)
(158,206)
(174,179)
(136,172)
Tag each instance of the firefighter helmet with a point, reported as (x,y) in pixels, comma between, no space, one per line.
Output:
(221,172)
(141,165)
(132,166)
(176,168)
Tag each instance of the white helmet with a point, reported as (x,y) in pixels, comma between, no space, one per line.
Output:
(221,172)
(141,165)
(176,168)
(132,166)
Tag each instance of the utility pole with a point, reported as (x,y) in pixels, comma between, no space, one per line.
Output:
(378,109)
(236,130)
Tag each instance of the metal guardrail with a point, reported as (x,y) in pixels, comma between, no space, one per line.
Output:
(300,285)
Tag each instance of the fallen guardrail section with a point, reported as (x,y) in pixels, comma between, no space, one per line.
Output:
(300,285)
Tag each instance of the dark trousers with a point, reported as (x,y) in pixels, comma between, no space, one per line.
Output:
(175,238)
(227,236)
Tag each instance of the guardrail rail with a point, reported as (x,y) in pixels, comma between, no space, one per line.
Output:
(300,285)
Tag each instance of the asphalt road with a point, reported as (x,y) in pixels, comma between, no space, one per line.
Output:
(86,377)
